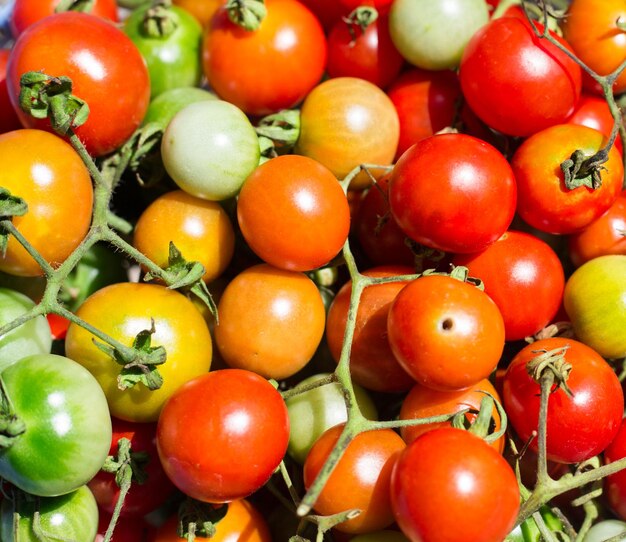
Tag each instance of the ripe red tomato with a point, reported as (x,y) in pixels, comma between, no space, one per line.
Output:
(593,111)
(265,70)
(221,435)
(451,486)
(447,334)
(615,484)
(519,266)
(8,116)
(106,69)
(578,427)
(453,192)
(516,82)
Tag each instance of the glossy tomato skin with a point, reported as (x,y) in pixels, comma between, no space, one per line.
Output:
(544,201)
(212,435)
(123,310)
(360,480)
(578,427)
(453,192)
(615,484)
(66,417)
(49,175)
(516,82)
(163,108)
(268,69)
(447,334)
(202,10)
(106,69)
(8,117)
(519,266)
(442,494)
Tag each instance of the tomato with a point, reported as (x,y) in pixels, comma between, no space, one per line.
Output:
(202,10)
(106,69)
(594,112)
(173,59)
(604,530)
(433,35)
(423,402)
(439,494)
(49,175)
(27,12)
(125,309)
(271,321)
(447,334)
(282,60)
(200,229)
(544,201)
(453,192)
(516,82)
(57,325)
(328,12)
(519,266)
(314,411)
(345,122)
(605,235)
(163,108)
(595,301)
(579,426)
(615,484)
(372,362)
(293,213)
(144,497)
(8,116)
(359,481)
(32,337)
(126,529)
(381,6)
(66,417)
(213,435)
(592,29)
(209,148)
(71,517)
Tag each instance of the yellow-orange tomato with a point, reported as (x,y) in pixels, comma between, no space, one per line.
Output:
(202,10)
(200,229)
(49,175)
(271,321)
(122,311)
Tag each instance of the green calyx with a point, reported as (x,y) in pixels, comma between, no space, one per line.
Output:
(159,20)
(83,6)
(199,519)
(248,14)
(11,426)
(582,170)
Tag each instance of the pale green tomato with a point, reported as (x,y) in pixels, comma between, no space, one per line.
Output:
(163,108)
(604,530)
(209,148)
(314,411)
(433,34)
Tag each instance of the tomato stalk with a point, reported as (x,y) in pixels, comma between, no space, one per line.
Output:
(84,6)
(159,21)
(248,14)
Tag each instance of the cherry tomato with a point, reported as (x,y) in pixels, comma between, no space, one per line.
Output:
(8,116)
(213,435)
(202,10)
(593,111)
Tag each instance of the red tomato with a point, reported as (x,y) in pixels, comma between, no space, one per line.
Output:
(453,192)
(8,116)
(519,266)
(126,529)
(58,326)
(516,82)
(447,334)
(221,436)
(106,69)
(268,69)
(451,486)
(594,112)
(578,427)
(327,11)
(615,484)
(382,6)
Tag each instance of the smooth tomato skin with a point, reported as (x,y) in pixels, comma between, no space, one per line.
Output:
(447,334)
(360,480)
(163,108)
(293,213)
(8,117)
(211,425)
(123,310)
(543,200)
(201,230)
(423,402)
(519,266)
(106,69)
(283,59)
(202,10)
(450,485)
(271,321)
(49,175)
(516,82)
(615,484)
(579,427)
(602,237)
(372,362)
(593,111)
(453,192)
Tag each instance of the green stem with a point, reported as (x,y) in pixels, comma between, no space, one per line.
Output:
(8,226)
(287,394)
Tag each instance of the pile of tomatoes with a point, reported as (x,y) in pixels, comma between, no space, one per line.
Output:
(327,268)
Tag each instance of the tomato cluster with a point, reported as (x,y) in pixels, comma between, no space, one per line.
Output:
(343,269)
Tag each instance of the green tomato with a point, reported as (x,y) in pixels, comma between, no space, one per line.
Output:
(209,149)
(73,516)
(163,108)
(433,35)
(32,337)
(313,412)
(595,301)
(604,530)
(173,59)
(68,425)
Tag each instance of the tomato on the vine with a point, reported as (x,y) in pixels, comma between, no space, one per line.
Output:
(615,484)
(593,111)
